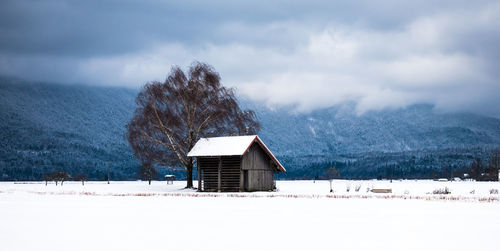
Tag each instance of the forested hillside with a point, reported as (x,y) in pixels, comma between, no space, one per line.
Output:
(76,128)
(415,142)
(80,129)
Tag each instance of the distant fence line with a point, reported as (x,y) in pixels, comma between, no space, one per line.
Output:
(274,195)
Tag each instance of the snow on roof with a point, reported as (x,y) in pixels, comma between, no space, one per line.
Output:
(228,146)
(221,146)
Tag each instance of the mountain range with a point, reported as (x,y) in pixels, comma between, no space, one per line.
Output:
(80,129)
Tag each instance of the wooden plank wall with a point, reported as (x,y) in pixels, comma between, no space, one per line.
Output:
(230,173)
(260,170)
(209,167)
(260,180)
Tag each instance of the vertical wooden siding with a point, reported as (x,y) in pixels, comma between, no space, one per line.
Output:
(260,170)
(230,173)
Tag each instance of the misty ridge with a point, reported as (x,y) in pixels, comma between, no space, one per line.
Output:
(80,129)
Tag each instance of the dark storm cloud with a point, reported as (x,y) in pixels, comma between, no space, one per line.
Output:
(378,54)
(86,28)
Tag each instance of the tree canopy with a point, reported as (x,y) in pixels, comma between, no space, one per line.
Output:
(172,115)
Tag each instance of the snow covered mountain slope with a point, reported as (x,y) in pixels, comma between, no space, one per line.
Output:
(338,130)
(47,127)
(79,128)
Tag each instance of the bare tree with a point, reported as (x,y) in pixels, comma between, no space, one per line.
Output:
(495,158)
(493,165)
(331,174)
(172,115)
(476,169)
(48,177)
(57,176)
(81,177)
(147,172)
(61,176)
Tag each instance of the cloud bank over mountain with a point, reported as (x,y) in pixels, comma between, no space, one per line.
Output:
(310,55)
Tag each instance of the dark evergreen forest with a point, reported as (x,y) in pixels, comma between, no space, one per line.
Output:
(80,129)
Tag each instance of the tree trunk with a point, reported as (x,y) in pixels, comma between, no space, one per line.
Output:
(189,174)
(83,184)
(45,183)
(56,182)
(149,182)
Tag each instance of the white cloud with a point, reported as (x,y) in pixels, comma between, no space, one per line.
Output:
(443,59)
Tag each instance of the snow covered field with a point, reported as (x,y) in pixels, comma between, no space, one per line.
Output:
(302,215)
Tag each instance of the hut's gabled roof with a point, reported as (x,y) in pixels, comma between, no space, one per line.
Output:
(229,146)
(221,146)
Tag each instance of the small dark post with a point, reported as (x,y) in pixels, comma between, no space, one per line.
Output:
(219,180)
(108,173)
(199,177)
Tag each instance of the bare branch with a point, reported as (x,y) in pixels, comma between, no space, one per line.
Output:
(172,115)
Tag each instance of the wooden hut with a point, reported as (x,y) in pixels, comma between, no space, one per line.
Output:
(236,163)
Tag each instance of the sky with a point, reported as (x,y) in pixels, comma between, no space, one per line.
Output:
(377,55)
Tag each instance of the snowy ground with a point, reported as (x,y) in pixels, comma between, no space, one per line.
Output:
(302,215)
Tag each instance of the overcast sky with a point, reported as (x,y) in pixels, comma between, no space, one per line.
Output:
(377,54)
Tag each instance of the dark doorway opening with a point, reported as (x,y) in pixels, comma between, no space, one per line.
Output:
(245,180)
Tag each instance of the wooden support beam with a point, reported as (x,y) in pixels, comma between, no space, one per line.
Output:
(219,174)
(199,177)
